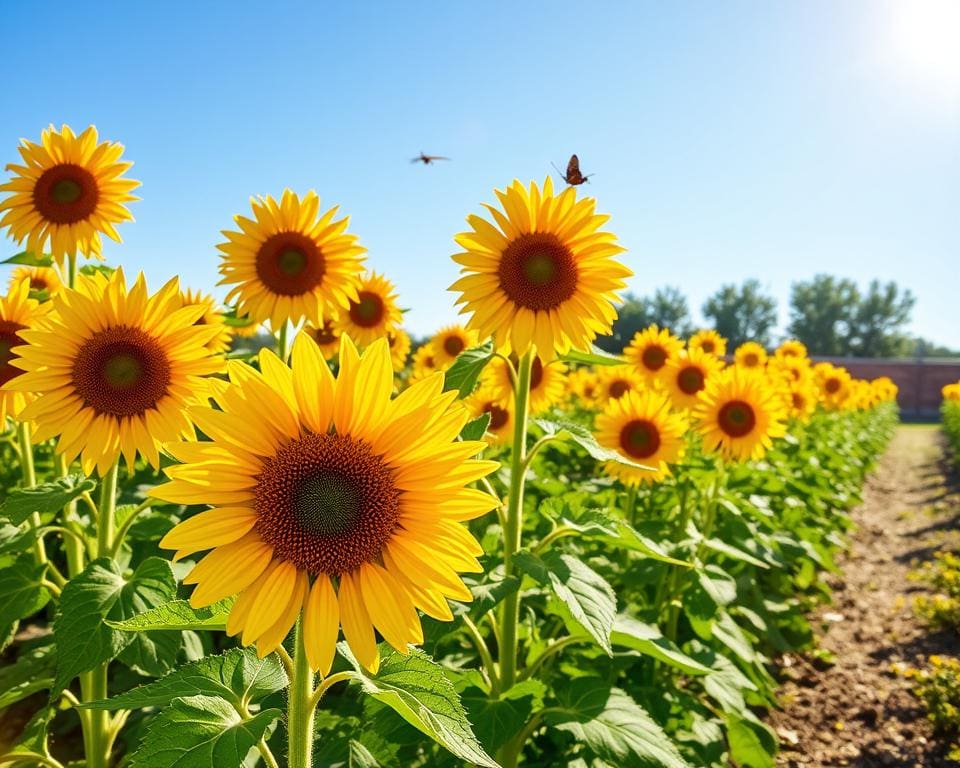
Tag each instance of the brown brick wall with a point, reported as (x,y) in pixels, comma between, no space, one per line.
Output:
(919,380)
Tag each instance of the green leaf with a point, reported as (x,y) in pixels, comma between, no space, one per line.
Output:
(614,727)
(202,732)
(14,540)
(33,738)
(150,653)
(97,269)
(238,676)
(177,615)
(649,640)
(44,498)
(21,589)
(417,689)
(595,356)
(585,439)
(752,744)
(474,430)
(487,595)
(31,672)
(28,259)
(466,369)
(360,757)
(585,593)
(734,553)
(100,592)
(496,721)
(718,584)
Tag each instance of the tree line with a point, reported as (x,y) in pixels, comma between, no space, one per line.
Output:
(833,316)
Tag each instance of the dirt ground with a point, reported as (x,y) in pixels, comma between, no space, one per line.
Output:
(856,712)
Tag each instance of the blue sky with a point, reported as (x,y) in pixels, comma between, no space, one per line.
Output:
(729,140)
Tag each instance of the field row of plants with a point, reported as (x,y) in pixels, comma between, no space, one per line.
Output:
(950,414)
(504,548)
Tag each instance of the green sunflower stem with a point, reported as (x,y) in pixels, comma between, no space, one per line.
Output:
(73,547)
(106,519)
(30,480)
(513,529)
(301,707)
(282,341)
(72,270)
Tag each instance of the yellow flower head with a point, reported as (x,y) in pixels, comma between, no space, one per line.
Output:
(801,399)
(835,383)
(616,380)
(791,348)
(373,313)
(583,386)
(399,341)
(290,263)
(950,392)
(547,382)
(708,341)
(750,355)
(331,501)
(212,316)
(18,313)
(739,414)
(885,389)
(487,400)
(643,429)
(424,363)
(114,369)
(44,281)
(542,274)
(686,375)
(651,349)
(449,342)
(69,190)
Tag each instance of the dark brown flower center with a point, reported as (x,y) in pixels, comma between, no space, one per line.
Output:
(37,283)
(537,271)
(619,388)
(536,373)
(640,439)
(737,418)
(654,357)
(121,371)
(498,416)
(832,386)
(326,503)
(325,335)
(453,345)
(9,338)
(751,359)
(290,264)
(368,311)
(690,380)
(799,401)
(66,194)
(708,346)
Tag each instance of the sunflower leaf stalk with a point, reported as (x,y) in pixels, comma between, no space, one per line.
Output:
(301,706)
(30,480)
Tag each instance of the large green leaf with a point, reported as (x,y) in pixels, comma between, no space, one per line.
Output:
(32,740)
(496,721)
(21,591)
(613,726)
(237,676)
(752,744)
(475,429)
(31,672)
(150,653)
(29,259)
(100,592)
(649,640)
(44,498)
(595,356)
(177,615)
(417,689)
(14,540)
(202,732)
(585,593)
(569,430)
(466,369)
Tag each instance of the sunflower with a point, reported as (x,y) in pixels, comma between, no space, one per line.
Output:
(547,382)
(44,281)
(373,312)
(791,348)
(641,427)
(330,500)
(651,349)
(212,316)
(686,376)
(248,327)
(286,263)
(951,392)
(399,341)
(885,388)
(739,414)
(113,369)
(424,362)
(616,380)
(487,400)
(750,355)
(708,341)
(835,385)
(583,387)
(449,342)
(543,275)
(69,191)
(18,313)
(327,338)
(801,399)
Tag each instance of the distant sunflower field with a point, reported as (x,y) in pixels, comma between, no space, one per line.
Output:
(498,547)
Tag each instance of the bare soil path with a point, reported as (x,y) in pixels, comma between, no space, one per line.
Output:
(857,712)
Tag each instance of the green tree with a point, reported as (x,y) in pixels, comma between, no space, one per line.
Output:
(876,328)
(821,314)
(667,308)
(743,313)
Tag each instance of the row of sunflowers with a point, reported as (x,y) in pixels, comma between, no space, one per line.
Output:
(506,547)
(950,413)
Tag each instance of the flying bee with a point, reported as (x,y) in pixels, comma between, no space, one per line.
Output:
(573,177)
(427,159)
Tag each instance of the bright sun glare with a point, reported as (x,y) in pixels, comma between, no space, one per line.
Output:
(925,40)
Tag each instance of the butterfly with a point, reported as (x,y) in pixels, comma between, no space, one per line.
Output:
(573,177)
(427,159)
